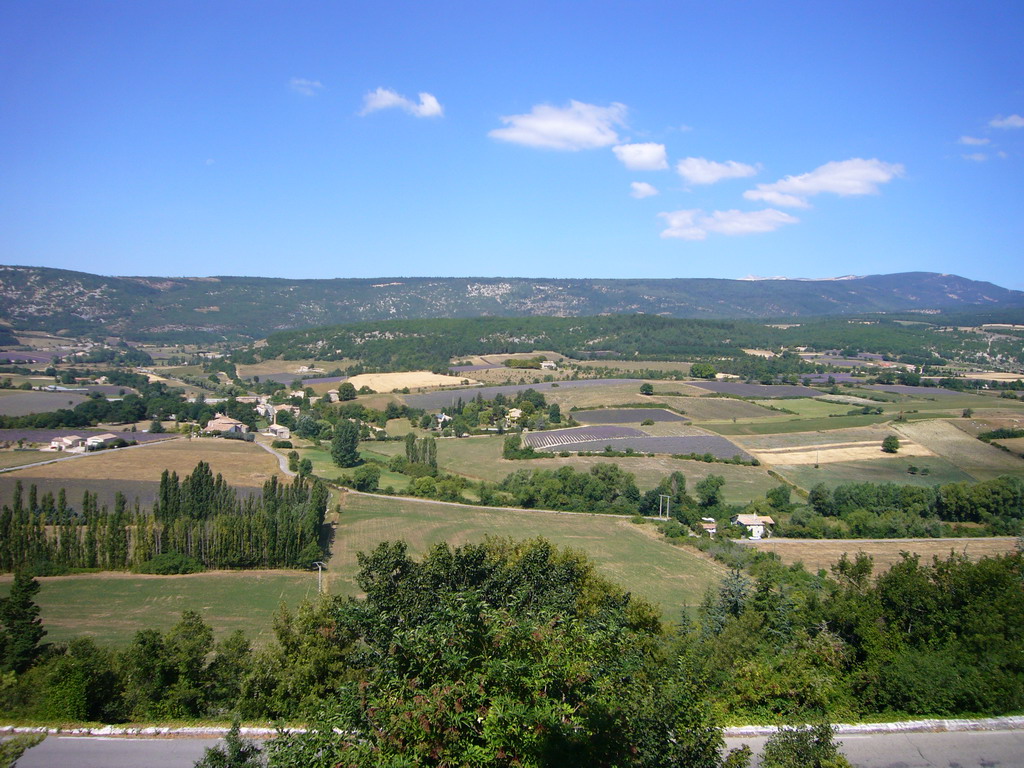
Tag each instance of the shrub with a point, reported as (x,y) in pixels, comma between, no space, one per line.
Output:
(282,444)
(170,563)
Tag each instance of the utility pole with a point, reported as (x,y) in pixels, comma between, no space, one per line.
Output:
(319,576)
(664,501)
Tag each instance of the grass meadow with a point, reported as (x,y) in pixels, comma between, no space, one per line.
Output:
(632,555)
(892,470)
(112,607)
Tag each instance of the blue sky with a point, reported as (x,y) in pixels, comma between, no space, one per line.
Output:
(556,139)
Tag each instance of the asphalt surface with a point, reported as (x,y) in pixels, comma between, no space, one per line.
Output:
(976,749)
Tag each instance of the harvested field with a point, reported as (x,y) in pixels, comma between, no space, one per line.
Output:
(993,376)
(1014,444)
(386,382)
(828,453)
(718,408)
(823,553)
(980,460)
(650,567)
(243,464)
(24,403)
(625,415)
(760,391)
(552,390)
(801,440)
(112,607)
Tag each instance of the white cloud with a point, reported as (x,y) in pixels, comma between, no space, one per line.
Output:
(577,126)
(305,87)
(695,224)
(641,189)
(698,170)
(642,157)
(1013,121)
(845,178)
(978,157)
(385,98)
(972,141)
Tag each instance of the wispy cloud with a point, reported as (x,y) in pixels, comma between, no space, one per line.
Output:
(699,170)
(1011,121)
(844,178)
(385,98)
(696,225)
(641,189)
(642,157)
(971,141)
(574,127)
(305,87)
(978,157)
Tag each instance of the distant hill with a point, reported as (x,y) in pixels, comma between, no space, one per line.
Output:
(164,308)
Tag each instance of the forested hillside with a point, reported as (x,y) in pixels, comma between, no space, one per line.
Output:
(411,344)
(209,308)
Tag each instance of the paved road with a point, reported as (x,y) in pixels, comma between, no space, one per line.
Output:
(979,749)
(973,749)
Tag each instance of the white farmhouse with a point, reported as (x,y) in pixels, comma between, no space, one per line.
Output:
(756,525)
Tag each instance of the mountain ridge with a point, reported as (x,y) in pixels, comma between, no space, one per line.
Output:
(223,306)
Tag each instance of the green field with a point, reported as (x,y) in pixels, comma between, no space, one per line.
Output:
(633,555)
(20,458)
(807,407)
(112,607)
(793,424)
(890,471)
(324,466)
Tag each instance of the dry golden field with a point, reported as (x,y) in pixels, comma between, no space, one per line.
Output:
(386,382)
(823,553)
(242,464)
(978,459)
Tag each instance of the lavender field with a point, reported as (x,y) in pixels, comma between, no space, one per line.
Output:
(561,439)
(902,389)
(717,446)
(597,438)
(741,389)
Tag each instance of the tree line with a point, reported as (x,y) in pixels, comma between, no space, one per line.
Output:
(196,522)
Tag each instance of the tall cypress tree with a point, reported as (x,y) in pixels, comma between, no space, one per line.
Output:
(20,626)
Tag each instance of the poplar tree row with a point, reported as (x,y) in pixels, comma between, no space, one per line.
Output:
(200,517)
